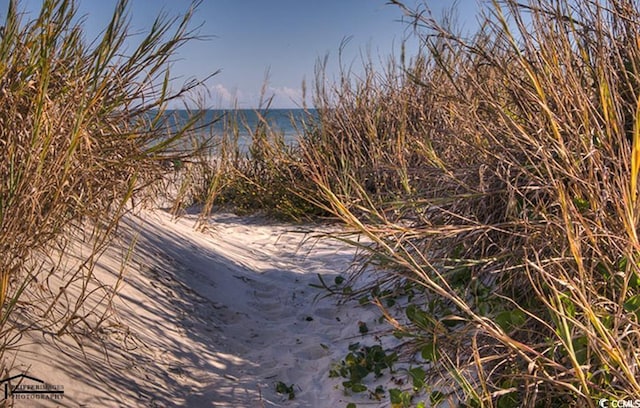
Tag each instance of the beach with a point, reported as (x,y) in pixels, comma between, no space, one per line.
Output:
(207,318)
(453,224)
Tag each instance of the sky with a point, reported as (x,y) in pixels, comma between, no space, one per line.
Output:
(277,41)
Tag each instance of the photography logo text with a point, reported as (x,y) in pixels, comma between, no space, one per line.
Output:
(24,386)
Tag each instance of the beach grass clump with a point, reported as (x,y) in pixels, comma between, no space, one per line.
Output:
(499,171)
(263,174)
(363,143)
(83,136)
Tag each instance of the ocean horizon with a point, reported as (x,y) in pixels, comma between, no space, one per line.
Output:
(288,122)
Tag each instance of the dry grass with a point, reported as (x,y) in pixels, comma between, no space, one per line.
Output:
(500,173)
(250,168)
(83,135)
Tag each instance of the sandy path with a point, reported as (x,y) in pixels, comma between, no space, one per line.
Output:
(270,325)
(210,319)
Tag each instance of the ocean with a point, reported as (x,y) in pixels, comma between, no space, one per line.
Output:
(287,122)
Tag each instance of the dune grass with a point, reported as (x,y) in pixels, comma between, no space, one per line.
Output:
(499,172)
(510,158)
(84,135)
(263,173)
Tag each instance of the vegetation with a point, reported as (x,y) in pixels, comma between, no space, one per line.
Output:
(282,388)
(498,172)
(263,176)
(84,138)
(359,363)
(495,174)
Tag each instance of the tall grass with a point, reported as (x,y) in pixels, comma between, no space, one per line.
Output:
(500,173)
(251,168)
(83,134)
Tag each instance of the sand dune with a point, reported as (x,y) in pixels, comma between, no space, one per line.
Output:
(213,318)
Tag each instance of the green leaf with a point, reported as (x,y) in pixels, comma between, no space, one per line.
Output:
(581,204)
(418,317)
(457,251)
(568,304)
(580,347)
(401,334)
(634,281)
(632,305)
(406,398)
(351,405)
(509,400)
(604,270)
(362,328)
(430,352)
(461,276)
(358,372)
(621,265)
(607,321)
(282,388)
(358,387)
(451,321)
(418,376)
(436,398)
(510,319)
(338,280)
(395,396)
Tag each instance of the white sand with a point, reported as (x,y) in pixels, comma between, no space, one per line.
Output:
(209,319)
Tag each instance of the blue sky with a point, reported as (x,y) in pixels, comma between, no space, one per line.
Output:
(284,37)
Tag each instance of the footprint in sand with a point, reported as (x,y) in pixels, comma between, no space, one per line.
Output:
(264,294)
(326,313)
(311,353)
(268,307)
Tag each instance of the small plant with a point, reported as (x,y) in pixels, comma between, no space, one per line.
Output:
(282,388)
(337,288)
(400,399)
(360,362)
(404,398)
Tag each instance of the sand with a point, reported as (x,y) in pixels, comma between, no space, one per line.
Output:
(212,318)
